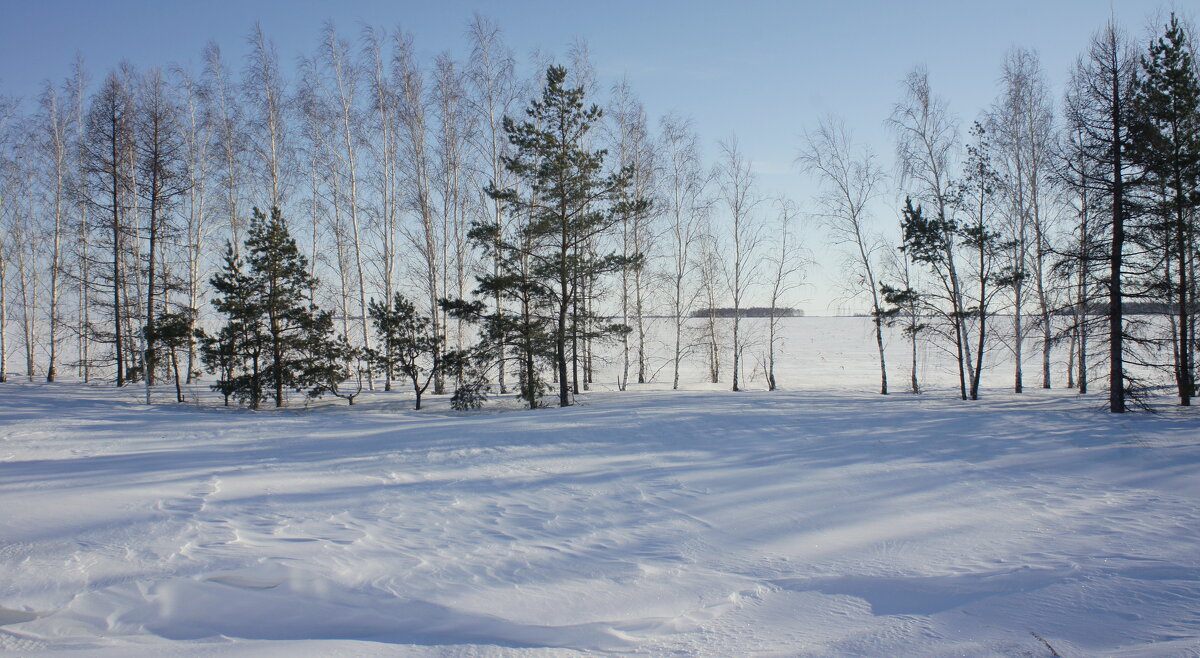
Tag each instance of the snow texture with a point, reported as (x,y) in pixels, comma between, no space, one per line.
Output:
(820,520)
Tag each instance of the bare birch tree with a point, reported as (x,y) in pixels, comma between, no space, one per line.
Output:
(7,178)
(26,245)
(265,94)
(54,122)
(850,179)
(683,183)
(927,143)
(633,148)
(455,187)
(1021,124)
(228,140)
(81,243)
(708,268)
(383,125)
(320,138)
(493,92)
(409,81)
(199,128)
(1081,252)
(785,264)
(740,196)
(341,93)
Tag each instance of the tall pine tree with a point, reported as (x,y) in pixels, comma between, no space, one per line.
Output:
(1167,145)
(568,202)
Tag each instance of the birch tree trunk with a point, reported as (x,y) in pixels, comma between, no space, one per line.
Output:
(490,72)
(55,120)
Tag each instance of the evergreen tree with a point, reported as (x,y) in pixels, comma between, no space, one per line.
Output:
(1166,144)
(170,332)
(570,203)
(273,339)
(903,306)
(977,198)
(519,326)
(282,280)
(236,352)
(410,343)
(328,362)
(932,240)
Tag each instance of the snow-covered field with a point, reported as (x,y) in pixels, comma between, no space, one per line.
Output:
(817,520)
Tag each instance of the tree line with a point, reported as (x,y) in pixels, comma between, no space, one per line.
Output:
(366,217)
(136,212)
(1040,227)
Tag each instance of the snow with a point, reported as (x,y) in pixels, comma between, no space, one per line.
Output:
(818,520)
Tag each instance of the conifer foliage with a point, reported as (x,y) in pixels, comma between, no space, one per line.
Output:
(409,343)
(273,339)
(1167,146)
(546,266)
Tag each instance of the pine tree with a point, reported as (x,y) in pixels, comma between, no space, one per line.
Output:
(273,338)
(520,325)
(977,197)
(932,241)
(282,281)
(171,332)
(903,307)
(410,343)
(236,353)
(328,362)
(1166,143)
(550,262)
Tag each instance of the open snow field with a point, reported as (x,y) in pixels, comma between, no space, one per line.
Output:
(818,520)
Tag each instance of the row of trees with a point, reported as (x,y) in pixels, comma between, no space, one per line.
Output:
(274,339)
(1063,222)
(549,267)
(400,179)
(525,243)
(399,176)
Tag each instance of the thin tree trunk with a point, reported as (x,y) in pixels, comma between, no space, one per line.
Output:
(175,367)
(1018,332)
(1184,344)
(56,251)
(117,281)
(1116,352)
(3,309)
(1044,304)
(883,387)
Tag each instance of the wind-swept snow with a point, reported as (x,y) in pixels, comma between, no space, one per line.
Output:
(645,522)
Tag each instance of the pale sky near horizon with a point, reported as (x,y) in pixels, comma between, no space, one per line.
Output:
(765,71)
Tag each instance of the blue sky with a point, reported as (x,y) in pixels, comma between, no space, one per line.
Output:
(763,70)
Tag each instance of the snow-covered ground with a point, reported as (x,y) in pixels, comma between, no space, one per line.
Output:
(817,520)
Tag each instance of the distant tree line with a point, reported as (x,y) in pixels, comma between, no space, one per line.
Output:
(749,312)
